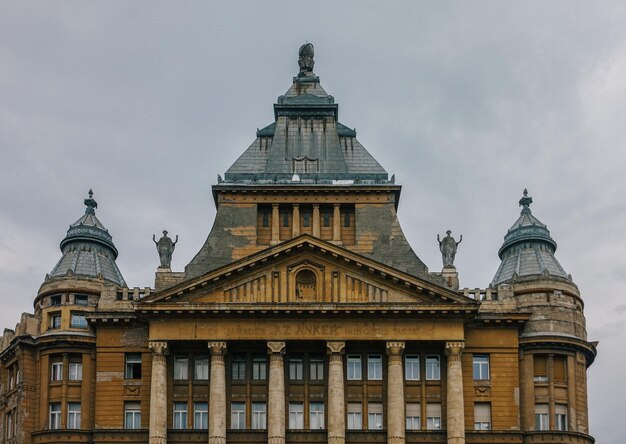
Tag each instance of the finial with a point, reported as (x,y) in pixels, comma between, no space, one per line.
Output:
(90,203)
(305,59)
(525,202)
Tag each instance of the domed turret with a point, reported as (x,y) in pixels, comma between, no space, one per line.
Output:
(88,249)
(528,249)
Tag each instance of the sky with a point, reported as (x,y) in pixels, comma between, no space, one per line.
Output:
(467,103)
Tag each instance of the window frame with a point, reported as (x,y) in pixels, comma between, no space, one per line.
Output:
(259,368)
(133,368)
(132,415)
(56,320)
(76,368)
(201,365)
(479,368)
(73,415)
(200,415)
(239,414)
(54,416)
(296,368)
(181,368)
(238,368)
(375,418)
(374,367)
(78,319)
(413,422)
(56,371)
(354,416)
(411,367)
(430,371)
(317,415)
(354,367)
(259,415)
(296,415)
(180,413)
(316,368)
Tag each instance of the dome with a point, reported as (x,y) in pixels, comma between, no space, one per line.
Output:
(88,249)
(528,248)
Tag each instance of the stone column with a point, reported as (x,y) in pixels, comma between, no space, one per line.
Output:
(316,220)
(455,411)
(217,394)
(158,393)
(336,398)
(296,220)
(336,223)
(527,389)
(275,225)
(395,394)
(276,394)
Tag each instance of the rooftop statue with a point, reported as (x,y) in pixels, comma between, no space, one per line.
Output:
(448,247)
(165,247)
(305,59)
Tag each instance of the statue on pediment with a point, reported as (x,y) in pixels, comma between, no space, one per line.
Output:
(165,247)
(448,247)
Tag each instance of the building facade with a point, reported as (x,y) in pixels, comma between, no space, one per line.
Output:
(306,316)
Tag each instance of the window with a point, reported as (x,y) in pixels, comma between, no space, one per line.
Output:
(481,367)
(79,320)
(133,366)
(326,217)
(200,415)
(374,367)
(374,416)
(433,368)
(306,219)
(10,418)
(132,415)
(75,369)
(201,368)
(355,416)
(259,416)
(413,414)
(54,420)
(259,368)
(433,416)
(180,415)
(296,415)
(238,367)
(482,416)
(56,370)
(560,417)
(316,369)
(354,367)
(346,219)
(285,219)
(266,219)
(316,415)
(541,417)
(55,300)
(55,320)
(412,367)
(181,366)
(295,369)
(559,368)
(81,299)
(73,415)
(540,365)
(238,415)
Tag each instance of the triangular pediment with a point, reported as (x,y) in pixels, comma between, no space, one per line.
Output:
(307,270)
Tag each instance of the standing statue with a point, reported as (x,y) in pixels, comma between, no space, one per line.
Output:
(305,59)
(448,247)
(165,247)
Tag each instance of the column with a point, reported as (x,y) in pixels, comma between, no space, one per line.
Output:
(336,398)
(455,411)
(527,389)
(395,394)
(336,223)
(316,220)
(276,394)
(296,220)
(158,393)
(217,394)
(275,225)
(571,394)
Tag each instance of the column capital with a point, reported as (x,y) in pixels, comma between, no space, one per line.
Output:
(454,349)
(395,348)
(296,205)
(158,347)
(275,205)
(316,205)
(335,347)
(217,348)
(336,205)
(275,347)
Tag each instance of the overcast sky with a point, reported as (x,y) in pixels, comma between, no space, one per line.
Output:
(466,102)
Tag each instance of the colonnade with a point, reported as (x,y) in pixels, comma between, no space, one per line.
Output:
(315,223)
(276,426)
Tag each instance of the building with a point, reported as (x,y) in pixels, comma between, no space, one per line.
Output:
(306,316)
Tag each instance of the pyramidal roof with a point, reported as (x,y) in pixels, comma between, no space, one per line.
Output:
(88,249)
(306,143)
(528,248)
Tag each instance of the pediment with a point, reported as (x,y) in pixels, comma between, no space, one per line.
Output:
(307,270)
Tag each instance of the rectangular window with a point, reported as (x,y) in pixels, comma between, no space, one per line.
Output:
(55,320)
(132,415)
(201,368)
(81,299)
(540,364)
(259,368)
(412,367)
(480,365)
(306,219)
(266,219)
(75,370)
(354,367)
(433,368)
(296,415)
(181,366)
(133,366)
(326,217)
(238,368)
(355,416)
(482,416)
(413,413)
(259,415)
(560,417)
(346,219)
(200,415)
(295,369)
(559,368)
(541,417)
(285,219)
(316,369)
(374,367)
(56,371)
(55,300)
(180,415)
(54,419)
(9,424)
(433,416)
(316,415)
(73,415)
(238,415)
(374,416)
(79,320)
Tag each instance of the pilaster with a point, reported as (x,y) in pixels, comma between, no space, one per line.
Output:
(336,397)
(157,433)
(455,406)
(276,394)
(217,394)
(395,394)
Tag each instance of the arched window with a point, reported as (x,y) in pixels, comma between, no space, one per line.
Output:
(306,282)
